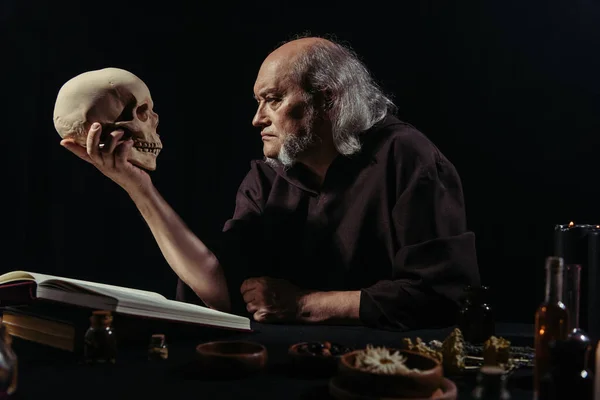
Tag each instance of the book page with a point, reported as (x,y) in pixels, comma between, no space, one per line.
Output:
(125,300)
(101,288)
(197,317)
(14,276)
(75,285)
(168,307)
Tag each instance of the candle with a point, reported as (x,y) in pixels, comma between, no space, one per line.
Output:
(597,376)
(571,242)
(593,284)
(580,244)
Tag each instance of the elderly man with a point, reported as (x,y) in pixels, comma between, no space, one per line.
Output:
(352,217)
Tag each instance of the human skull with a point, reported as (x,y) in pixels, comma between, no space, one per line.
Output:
(117,99)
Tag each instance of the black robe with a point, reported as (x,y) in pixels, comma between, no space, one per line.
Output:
(389,221)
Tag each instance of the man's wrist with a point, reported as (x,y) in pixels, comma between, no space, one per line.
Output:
(139,190)
(336,306)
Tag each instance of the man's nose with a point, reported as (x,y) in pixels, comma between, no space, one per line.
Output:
(260,119)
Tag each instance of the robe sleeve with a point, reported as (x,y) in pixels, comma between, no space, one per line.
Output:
(436,255)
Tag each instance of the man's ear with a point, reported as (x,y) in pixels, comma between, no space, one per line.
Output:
(324,100)
(323,103)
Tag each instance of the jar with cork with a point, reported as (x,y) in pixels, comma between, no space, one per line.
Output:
(100,343)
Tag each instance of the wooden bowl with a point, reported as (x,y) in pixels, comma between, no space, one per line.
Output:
(231,358)
(322,364)
(412,384)
(447,391)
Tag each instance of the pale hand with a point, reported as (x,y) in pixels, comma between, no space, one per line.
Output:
(271,299)
(111,158)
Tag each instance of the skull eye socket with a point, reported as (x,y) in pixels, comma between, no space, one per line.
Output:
(142,112)
(127,113)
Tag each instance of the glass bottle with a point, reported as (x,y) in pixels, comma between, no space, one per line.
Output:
(100,345)
(597,372)
(572,301)
(8,364)
(551,321)
(475,316)
(569,376)
(158,349)
(491,384)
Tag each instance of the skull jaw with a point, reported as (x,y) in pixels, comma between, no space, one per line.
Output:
(142,159)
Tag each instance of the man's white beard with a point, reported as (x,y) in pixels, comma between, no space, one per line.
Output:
(294,145)
(291,148)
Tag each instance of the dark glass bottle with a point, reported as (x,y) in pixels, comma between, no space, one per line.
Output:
(551,322)
(100,343)
(491,384)
(572,298)
(569,376)
(158,349)
(476,316)
(8,364)
(596,368)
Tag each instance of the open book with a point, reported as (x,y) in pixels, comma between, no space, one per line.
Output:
(121,300)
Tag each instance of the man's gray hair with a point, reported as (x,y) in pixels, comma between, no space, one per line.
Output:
(334,78)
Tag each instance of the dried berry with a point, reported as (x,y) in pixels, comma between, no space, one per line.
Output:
(324,349)
(316,348)
(338,349)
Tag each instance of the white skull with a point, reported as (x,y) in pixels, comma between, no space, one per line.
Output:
(115,98)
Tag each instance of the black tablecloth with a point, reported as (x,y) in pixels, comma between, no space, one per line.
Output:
(48,373)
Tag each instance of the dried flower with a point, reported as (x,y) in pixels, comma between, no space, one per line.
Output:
(380,360)
(453,350)
(422,348)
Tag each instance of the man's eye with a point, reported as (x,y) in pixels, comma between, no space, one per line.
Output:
(272,99)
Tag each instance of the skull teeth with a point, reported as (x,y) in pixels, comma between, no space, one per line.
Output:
(153,151)
(147,147)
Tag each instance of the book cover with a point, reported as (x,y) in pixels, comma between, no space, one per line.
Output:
(63,326)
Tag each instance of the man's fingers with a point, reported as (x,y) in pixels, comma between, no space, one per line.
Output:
(249,296)
(122,152)
(251,307)
(248,284)
(260,316)
(76,149)
(263,315)
(113,141)
(93,141)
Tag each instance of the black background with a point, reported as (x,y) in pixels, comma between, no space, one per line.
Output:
(508,90)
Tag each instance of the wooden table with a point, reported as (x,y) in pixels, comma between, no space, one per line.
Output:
(49,373)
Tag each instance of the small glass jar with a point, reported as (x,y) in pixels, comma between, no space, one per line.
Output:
(158,349)
(491,384)
(8,364)
(100,344)
(475,316)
